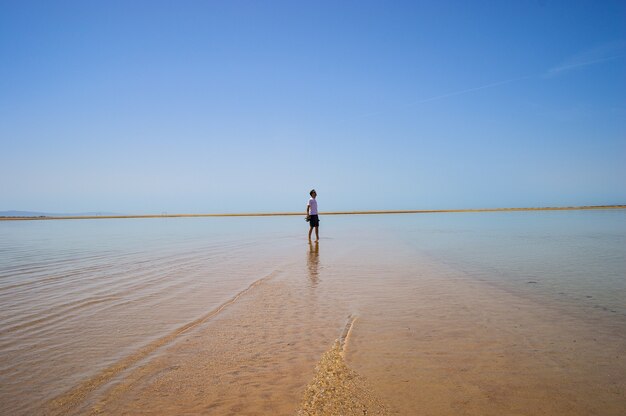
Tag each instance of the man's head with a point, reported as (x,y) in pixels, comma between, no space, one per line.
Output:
(313,193)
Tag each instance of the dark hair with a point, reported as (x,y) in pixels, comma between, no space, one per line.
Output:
(312,192)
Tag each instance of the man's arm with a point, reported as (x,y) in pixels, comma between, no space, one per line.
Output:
(308,208)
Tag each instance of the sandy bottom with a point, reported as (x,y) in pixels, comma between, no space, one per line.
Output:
(371,331)
(446,345)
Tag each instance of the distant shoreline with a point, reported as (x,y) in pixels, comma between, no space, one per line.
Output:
(279,214)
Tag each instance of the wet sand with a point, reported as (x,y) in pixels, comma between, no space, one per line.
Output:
(452,345)
(282,214)
(371,329)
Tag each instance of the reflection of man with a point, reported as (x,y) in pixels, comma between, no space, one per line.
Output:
(313,261)
(312,216)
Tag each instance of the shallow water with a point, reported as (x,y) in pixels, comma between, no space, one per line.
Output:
(492,313)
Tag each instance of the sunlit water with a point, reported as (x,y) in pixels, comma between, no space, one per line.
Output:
(575,256)
(117,315)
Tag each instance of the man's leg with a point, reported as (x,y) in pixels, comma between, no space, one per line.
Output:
(317,234)
(310,231)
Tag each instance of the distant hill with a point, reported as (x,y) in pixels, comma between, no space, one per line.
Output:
(50,214)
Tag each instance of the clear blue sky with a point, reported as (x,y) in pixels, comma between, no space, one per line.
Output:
(237,106)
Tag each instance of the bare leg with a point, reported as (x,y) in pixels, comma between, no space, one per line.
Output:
(317,234)
(310,231)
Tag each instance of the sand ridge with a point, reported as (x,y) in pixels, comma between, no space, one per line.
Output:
(281,214)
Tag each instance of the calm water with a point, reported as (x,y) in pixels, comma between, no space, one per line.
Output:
(77,298)
(575,256)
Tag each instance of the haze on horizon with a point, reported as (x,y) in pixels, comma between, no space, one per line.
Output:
(241,106)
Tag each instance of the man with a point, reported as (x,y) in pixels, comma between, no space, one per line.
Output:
(312,216)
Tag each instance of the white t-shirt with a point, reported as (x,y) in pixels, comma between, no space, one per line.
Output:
(313,204)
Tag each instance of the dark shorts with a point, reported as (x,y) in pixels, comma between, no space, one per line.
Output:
(314,221)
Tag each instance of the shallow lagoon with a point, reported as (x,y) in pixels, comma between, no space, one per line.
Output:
(116,315)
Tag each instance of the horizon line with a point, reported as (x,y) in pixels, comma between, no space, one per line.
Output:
(278,214)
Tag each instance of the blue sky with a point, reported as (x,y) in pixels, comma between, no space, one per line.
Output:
(239,106)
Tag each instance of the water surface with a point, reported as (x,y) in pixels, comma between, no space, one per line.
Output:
(231,315)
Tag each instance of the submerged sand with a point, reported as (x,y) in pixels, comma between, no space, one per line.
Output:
(371,329)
